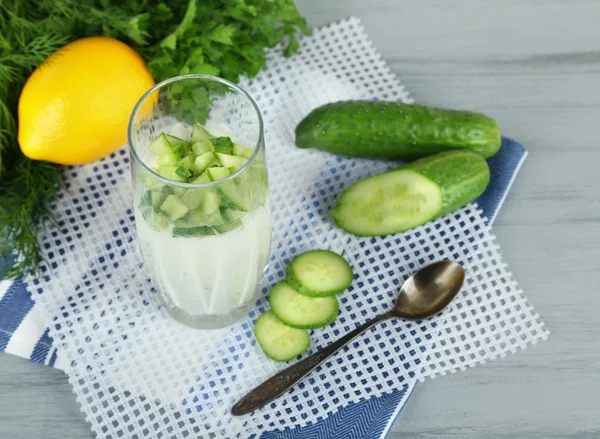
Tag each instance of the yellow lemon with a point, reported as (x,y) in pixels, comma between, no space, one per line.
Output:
(75,107)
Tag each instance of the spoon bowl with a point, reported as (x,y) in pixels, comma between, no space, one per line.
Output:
(429,290)
(423,295)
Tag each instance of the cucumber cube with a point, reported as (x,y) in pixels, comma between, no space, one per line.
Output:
(211,201)
(202,179)
(193,198)
(193,231)
(230,161)
(174,208)
(199,218)
(160,145)
(224,228)
(233,197)
(180,147)
(181,132)
(223,145)
(231,215)
(170,173)
(203,161)
(167,159)
(188,162)
(199,133)
(179,191)
(157,199)
(201,147)
(242,151)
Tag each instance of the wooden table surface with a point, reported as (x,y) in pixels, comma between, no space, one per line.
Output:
(534,65)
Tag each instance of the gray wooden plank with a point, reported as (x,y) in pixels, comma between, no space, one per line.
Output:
(534,65)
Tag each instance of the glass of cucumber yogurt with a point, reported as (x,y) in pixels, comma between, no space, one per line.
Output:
(200,197)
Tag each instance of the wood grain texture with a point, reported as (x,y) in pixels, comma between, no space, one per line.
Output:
(534,65)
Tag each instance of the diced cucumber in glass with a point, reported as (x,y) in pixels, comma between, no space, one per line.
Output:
(179,191)
(157,199)
(231,215)
(149,181)
(229,192)
(199,218)
(183,172)
(242,151)
(166,159)
(228,227)
(203,161)
(211,201)
(202,179)
(174,208)
(160,145)
(180,147)
(193,198)
(188,161)
(169,172)
(201,147)
(193,231)
(223,145)
(181,132)
(230,161)
(199,133)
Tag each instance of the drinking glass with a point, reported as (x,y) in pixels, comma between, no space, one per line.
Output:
(205,238)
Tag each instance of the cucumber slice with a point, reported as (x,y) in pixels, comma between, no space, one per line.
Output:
(230,161)
(211,201)
(412,195)
(174,208)
(228,227)
(199,134)
(201,147)
(203,161)
(279,341)
(319,273)
(230,194)
(223,145)
(160,145)
(199,218)
(300,311)
(193,198)
(193,231)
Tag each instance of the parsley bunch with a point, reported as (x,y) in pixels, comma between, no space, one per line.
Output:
(225,38)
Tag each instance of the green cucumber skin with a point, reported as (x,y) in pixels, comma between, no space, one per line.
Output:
(395,130)
(332,317)
(462,176)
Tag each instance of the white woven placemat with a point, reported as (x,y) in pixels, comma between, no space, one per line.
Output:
(137,373)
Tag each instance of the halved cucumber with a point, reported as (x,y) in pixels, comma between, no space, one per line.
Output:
(319,273)
(279,341)
(231,196)
(412,195)
(300,311)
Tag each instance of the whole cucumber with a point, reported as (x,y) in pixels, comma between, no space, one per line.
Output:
(395,130)
(412,195)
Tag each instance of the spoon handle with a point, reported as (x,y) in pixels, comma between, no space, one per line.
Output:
(284,380)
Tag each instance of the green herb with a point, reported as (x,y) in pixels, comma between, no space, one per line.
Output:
(217,37)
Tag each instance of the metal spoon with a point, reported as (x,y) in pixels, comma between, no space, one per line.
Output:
(423,295)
